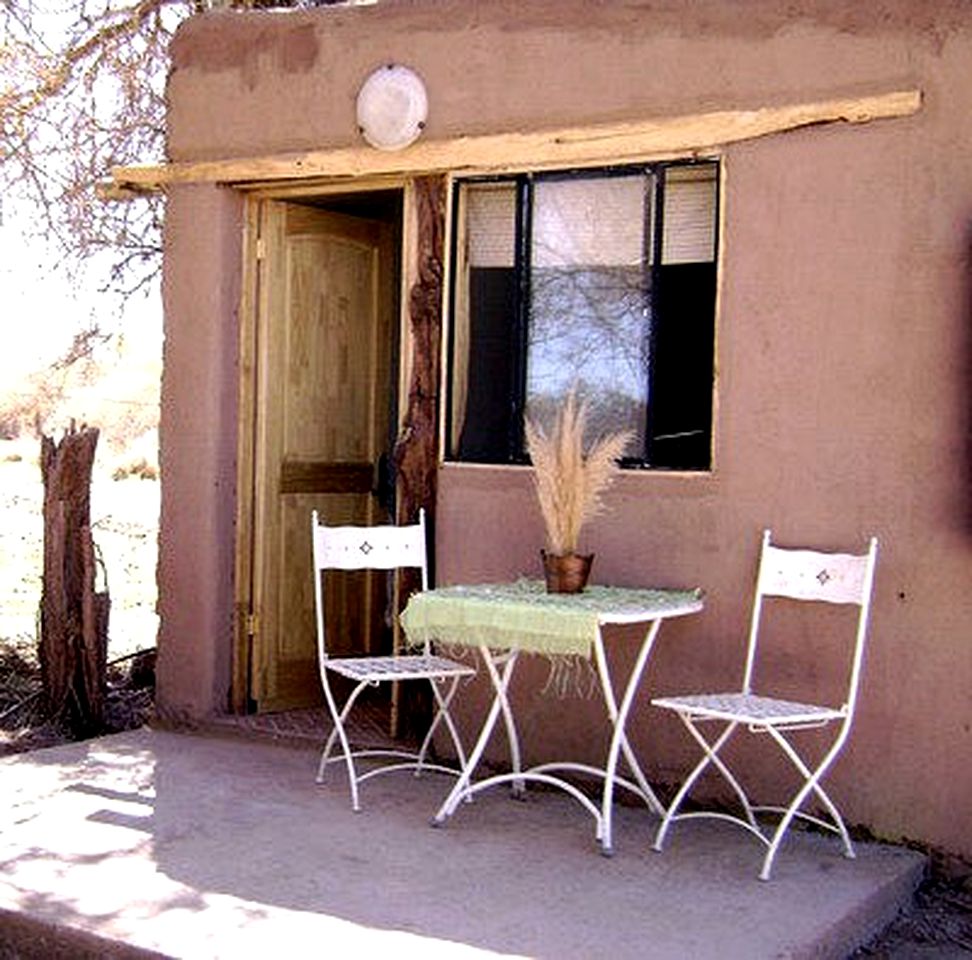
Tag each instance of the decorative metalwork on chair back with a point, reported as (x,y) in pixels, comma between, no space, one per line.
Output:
(365,548)
(811,575)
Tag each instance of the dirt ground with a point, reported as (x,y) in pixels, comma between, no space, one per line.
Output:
(938,925)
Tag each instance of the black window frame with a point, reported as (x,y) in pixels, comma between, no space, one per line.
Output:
(655,175)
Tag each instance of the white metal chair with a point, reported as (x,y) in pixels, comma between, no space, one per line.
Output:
(804,575)
(379,548)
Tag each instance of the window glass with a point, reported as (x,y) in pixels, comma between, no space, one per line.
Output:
(484,342)
(599,281)
(588,306)
(690,215)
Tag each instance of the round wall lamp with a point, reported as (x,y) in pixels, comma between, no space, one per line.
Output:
(392,107)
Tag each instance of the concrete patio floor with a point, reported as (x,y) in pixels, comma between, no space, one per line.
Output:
(153,842)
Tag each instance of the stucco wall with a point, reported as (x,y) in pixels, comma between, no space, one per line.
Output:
(844,352)
(198,436)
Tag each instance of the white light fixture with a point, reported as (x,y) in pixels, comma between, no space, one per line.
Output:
(392,107)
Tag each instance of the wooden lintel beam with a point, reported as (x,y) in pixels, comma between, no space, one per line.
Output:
(662,137)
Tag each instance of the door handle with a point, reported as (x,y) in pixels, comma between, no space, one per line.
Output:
(383,486)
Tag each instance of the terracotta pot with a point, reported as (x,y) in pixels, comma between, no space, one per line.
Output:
(567,573)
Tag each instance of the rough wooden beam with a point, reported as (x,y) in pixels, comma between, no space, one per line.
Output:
(662,137)
(416,448)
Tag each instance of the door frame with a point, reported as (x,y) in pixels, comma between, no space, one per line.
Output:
(422,239)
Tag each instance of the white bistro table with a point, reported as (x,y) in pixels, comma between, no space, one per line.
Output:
(503,620)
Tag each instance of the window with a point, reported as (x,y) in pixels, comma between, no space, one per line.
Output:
(602,281)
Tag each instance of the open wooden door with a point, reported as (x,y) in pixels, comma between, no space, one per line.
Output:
(324,383)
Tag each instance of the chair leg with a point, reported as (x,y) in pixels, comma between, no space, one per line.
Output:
(326,752)
(442,715)
(338,719)
(338,732)
(710,756)
(811,784)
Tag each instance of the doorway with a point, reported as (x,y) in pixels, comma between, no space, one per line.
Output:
(320,406)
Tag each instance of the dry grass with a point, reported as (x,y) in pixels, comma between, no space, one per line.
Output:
(570,483)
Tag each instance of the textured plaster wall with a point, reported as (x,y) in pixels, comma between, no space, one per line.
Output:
(198,437)
(844,355)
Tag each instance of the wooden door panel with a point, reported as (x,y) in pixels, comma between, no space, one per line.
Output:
(320,476)
(323,422)
(328,409)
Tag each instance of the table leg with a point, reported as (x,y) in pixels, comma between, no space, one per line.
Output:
(500,681)
(619,739)
(501,685)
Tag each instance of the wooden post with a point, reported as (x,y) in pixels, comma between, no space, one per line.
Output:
(73,644)
(416,451)
(416,454)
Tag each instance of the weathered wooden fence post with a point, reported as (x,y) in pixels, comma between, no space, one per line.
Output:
(74,618)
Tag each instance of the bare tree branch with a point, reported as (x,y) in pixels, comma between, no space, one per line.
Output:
(82,90)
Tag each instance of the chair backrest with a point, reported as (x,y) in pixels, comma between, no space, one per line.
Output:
(811,575)
(385,547)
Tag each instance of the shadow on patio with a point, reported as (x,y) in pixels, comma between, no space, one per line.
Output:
(201,846)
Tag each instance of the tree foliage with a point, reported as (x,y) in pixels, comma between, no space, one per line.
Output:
(82,90)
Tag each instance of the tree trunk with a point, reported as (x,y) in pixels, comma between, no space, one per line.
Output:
(74,618)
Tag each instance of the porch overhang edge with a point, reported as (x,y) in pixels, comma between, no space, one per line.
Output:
(659,138)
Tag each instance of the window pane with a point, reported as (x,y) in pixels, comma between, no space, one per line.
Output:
(490,220)
(683,339)
(588,309)
(483,330)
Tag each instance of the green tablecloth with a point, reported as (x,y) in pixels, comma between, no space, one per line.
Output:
(524,616)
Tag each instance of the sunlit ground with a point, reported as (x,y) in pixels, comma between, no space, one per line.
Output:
(124,515)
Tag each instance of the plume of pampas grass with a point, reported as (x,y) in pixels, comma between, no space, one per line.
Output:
(569,483)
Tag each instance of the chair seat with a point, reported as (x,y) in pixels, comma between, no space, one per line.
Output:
(749,708)
(413,667)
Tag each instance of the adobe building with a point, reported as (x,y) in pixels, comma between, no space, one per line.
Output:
(745,228)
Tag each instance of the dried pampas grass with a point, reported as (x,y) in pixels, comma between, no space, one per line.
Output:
(570,483)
